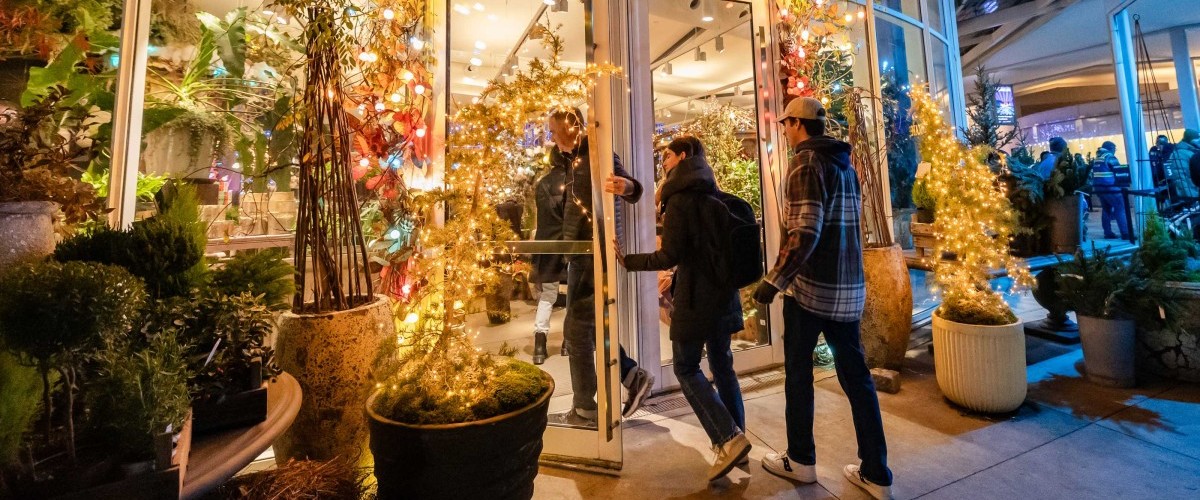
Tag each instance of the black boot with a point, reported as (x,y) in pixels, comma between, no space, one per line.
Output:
(539,348)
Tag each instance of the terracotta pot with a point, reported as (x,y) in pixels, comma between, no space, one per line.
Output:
(492,458)
(887,318)
(330,355)
(26,230)
(1170,353)
(981,368)
(1066,223)
(1108,350)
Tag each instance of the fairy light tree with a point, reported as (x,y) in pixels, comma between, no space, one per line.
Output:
(435,374)
(975,222)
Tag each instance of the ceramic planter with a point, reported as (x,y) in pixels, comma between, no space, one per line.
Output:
(1174,354)
(1066,222)
(981,368)
(496,458)
(26,230)
(1108,350)
(330,355)
(887,317)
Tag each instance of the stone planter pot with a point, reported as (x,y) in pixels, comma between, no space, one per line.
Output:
(1108,350)
(26,230)
(493,458)
(981,368)
(1169,353)
(887,317)
(1066,223)
(330,355)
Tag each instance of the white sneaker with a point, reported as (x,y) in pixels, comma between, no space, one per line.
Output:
(782,466)
(728,455)
(854,474)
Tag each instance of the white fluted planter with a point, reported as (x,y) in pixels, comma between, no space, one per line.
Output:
(981,368)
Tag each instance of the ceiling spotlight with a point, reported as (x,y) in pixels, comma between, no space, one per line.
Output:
(480,45)
(549,2)
(462,9)
(557,5)
(700,55)
(706,11)
(475,61)
(720,43)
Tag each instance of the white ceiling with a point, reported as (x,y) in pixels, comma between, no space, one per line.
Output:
(500,25)
(1074,48)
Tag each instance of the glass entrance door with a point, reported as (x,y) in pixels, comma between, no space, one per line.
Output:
(556,307)
(704,62)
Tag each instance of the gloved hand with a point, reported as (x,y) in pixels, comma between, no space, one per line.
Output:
(765,293)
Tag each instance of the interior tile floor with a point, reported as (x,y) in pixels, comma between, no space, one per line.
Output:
(1071,439)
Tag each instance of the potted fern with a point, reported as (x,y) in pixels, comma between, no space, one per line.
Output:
(979,345)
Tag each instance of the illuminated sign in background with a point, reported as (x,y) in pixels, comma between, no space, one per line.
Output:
(1006,107)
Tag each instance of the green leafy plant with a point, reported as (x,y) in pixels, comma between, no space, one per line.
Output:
(42,149)
(921,196)
(54,315)
(1026,192)
(1102,286)
(262,273)
(43,27)
(140,393)
(18,408)
(1165,258)
(158,250)
(225,337)
(741,177)
(148,185)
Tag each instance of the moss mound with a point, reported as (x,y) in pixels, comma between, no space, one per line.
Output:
(474,389)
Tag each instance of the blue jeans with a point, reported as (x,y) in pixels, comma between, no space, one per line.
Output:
(721,416)
(1112,207)
(579,335)
(800,331)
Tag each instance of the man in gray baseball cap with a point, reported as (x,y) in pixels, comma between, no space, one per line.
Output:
(820,272)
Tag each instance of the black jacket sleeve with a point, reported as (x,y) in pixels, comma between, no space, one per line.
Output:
(675,237)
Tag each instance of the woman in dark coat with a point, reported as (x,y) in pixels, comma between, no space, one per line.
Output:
(548,269)
(706,313)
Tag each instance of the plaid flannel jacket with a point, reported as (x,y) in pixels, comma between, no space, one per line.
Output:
(820,264)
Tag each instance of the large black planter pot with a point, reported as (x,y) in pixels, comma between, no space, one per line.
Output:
(495,458)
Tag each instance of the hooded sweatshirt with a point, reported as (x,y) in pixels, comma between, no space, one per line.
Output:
(820,264)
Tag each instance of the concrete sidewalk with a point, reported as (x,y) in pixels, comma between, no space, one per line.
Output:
(1071,439)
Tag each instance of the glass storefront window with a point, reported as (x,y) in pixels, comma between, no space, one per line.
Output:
(938,84)
(901,65)
(933,8)
(910,8)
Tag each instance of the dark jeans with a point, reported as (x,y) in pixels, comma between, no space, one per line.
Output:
(1112,207)
(721,416)
(800,331)
(579,334)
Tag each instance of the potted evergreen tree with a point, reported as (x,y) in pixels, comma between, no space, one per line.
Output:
(1168,340)
(1103,291)
(979,345)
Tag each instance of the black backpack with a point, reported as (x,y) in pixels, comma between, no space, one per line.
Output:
(734,248)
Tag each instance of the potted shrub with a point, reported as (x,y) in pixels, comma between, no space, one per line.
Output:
(54,316)
(1026,193)
(142,413)
(42,148)
(331,335)
(1064,203)
(979,345)
(1103,292)
(1168,342)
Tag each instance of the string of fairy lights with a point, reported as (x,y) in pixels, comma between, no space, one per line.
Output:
(975,221)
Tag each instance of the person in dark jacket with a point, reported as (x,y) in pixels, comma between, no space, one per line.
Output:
(1107,179)
(706,312)
(1182,184)
(548,270)
(820,270)
(568,131)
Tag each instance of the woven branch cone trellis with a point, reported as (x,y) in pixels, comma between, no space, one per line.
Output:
(327,222)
